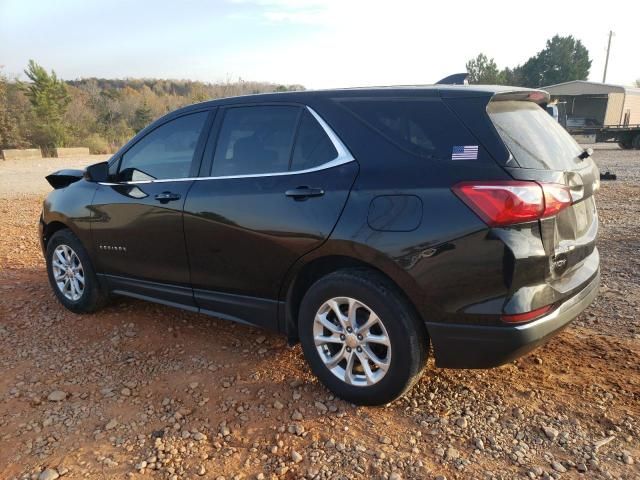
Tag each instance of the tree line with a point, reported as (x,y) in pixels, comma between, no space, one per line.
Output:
(563,59)
(47,112)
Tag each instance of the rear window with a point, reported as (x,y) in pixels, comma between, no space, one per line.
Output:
(423,127)
(534,138)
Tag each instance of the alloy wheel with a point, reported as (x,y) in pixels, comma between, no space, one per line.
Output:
(68,272)
(352,341)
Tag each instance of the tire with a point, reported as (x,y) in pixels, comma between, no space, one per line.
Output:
(625,145)
(371,293)
(66,253)
(636,142)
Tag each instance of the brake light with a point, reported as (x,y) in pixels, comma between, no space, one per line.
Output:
(527,316)
(556,197)
(508,202)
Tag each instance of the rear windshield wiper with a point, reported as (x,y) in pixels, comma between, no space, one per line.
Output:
(586,153)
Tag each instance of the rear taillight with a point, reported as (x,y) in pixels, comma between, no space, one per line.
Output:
(507,202)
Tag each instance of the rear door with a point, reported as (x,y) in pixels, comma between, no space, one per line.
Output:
(275,181)
(543,151)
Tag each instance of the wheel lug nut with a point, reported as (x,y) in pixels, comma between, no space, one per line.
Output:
(359,337)
(348,349)
(359,349)
(349,329)
(342,337)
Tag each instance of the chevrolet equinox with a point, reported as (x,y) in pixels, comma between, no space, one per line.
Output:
(367,224)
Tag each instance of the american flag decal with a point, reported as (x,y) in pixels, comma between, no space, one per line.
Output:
(464,152)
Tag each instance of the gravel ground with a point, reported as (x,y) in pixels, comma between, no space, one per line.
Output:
(27,176)
(145,391)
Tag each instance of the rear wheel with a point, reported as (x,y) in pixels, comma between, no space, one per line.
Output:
(361,338)
(71,274)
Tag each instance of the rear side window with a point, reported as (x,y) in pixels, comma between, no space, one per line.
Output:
(313,146)
(535,139)
(166,152)
(255,140)
(423,127)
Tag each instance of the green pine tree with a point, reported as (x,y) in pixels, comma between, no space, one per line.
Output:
(49,100)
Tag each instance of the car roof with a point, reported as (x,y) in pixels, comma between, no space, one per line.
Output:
(444,91)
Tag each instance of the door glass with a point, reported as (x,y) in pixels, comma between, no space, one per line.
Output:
(313,146)
(166,152)
(255,140)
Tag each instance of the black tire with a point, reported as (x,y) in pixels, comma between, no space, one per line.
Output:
(625,144)
(636,142)
(406,333)
(93,296)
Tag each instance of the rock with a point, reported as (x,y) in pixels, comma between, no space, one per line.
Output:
(201,470)
(260,339)
(461,422)
(295,456)
(57,396)
(395,476)
(260,476)
(558,467)
(550,432)
(582,468)
(199,437)
(441,477)
(385,440)
(296,415)
(113,423)
(49,473)
(601,443)
(479,444)
(321,406)
(278,405)
(193,385)
(452,454)
(627,459)
(141,465)
(125,392)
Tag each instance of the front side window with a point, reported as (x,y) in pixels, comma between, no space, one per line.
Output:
(165,153)
(255,140)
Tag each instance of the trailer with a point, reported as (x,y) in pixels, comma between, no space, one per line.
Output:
(600,111)
(626,136)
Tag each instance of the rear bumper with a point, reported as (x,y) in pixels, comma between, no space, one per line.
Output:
(472,346)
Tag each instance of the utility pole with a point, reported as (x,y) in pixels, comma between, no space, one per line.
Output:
(606,62)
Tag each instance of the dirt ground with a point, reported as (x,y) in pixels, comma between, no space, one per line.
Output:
(146,391)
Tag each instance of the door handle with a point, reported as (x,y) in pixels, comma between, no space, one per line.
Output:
(165,197)
(301,193)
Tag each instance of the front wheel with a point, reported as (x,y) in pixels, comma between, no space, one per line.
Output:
(71,274)
(361,338)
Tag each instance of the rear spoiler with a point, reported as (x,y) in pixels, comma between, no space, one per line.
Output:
(540,97)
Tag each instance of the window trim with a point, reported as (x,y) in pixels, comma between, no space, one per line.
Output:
(344,156)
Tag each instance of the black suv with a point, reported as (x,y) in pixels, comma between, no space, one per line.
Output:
(365,223)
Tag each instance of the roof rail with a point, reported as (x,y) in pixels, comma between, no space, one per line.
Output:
(455,79)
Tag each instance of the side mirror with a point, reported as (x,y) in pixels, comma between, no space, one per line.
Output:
(98,172)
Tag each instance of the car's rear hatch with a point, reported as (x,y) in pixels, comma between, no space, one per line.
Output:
(532,147)
(542,151)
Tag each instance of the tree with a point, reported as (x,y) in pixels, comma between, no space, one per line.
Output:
(10,136)
(562,60)
(483,70)
(142,117)
(49,100)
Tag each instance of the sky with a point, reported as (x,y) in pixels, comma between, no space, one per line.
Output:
(318,44)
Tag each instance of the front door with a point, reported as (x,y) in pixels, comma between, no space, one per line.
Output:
(138,230)
(275,191)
